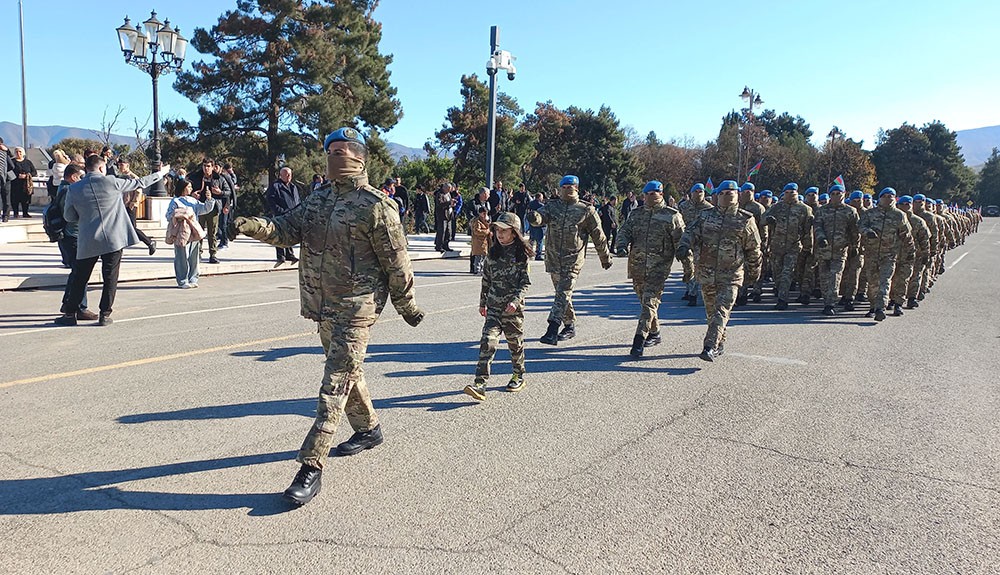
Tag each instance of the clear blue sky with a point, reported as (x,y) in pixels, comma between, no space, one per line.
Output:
(670,66)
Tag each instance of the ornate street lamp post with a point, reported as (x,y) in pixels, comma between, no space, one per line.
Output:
(156,49)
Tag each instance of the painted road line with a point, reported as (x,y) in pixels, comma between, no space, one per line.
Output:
(955,263)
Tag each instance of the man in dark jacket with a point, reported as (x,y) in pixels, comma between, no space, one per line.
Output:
(209,182)
(280,197)
(421,209)
(444,213)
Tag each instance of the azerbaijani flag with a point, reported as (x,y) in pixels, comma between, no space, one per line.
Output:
(840,181)
(755,169)
(710,186)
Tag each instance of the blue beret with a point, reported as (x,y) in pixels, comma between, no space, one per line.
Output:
(697,187)
(756,196)
(856,195)
(868,196)
(919,198)
(790,186)
(652,186)
(801,199)
(344,135)
(904,200)
(767,193)
(824,197)
(569,181)
(939,201)
(812,190)
(837,188)
(748,186)
(727,185)
(886,191)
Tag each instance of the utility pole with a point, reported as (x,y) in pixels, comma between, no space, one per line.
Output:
(24,92)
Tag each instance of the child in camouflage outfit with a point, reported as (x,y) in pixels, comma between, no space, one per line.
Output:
(501,302)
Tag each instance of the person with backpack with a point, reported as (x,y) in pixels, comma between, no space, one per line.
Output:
(67,234)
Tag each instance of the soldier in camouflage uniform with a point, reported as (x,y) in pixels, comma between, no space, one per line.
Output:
(917,256)
(689,209)
(885,231)
(918,285)
(569,222)
(850,290)
(650,236)
(836,230)
(766,201)
(353,257)
(724,241)
(748,204)
(789,229)
(806,271)
(501,302)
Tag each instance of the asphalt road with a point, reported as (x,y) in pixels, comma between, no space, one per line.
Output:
(815,445)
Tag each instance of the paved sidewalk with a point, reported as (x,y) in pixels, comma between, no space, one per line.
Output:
(38,265)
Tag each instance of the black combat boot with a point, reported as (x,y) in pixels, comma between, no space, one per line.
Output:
(879,315)
(803,299)
(843,301)
(912,303)
(756,297)
(638,342)
(306,485)
(849,306)
(781,305)
(828,310)
(551,336)
(568,332)
(860,297)
(361,441)
(706,354)
(871,312)
(653,339)
(717,352)
(66,319)
(897,311)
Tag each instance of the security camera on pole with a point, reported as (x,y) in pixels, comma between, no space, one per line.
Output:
(499,60)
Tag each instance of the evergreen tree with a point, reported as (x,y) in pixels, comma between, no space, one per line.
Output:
(988,187)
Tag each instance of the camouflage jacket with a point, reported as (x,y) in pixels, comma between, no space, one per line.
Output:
(789,227)
(353,251)
(724,241)
(690,210)
(933,230)
(921,234)
(653,233)
(892,229)
(838,225)
(757,209)
(505,280)
(566,235)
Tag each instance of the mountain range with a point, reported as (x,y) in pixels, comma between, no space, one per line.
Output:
(977,144)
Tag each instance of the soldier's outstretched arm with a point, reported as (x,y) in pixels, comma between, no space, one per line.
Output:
(283,231)
(677,232)
(389,244)
(539,217)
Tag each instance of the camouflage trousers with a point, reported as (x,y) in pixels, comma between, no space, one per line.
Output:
(783,270)
(830,271)
(901,277)
(512,327)
(344,389)
(806,272)
(650,293)
(562,306)
(719,300)
(918,280)
(765,269)
(849,284)
(877,275)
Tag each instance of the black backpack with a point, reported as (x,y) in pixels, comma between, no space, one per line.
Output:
(52,217)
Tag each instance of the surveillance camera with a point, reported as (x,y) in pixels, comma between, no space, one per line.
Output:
(490,71)
(510,75)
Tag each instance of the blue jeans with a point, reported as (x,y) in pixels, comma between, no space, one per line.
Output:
(186,260)
(536,237)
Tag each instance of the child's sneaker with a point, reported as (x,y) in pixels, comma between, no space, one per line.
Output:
(516,382)
(476,391)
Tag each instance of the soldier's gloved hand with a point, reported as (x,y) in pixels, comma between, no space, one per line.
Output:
(823,243)
(682,253)
(247,226)
(871,234)
(606,264)
(414,318)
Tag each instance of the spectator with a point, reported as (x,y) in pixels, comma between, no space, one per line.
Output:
(23,186)
(498,200)
(421,209)
(389,188)
(228,206)
(184,232)
(480,200)
(59,162)
(96,203)
(132,199)
(280,197)
(109,160)
(537,233)
(403,195)
(444,213)
(456,198)
(519,205)
(209,182)
(317,182)
(480,240)
(67,243)
(628,205)
(609,221)
(6,177)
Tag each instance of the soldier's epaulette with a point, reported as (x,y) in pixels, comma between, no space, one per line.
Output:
(744,213)
(380,195)
(671,210)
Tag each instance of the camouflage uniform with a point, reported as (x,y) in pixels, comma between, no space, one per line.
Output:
(836,229)
(723,242)
(505,281)
(927,271)
(689,212)
(568,225)
(851,279)
(806,270)
(790,231)
(353,257)
(653,233)
(922,237)
(892,231)
(757,210)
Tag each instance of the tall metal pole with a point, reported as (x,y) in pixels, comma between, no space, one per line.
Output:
(491,126)
(24,92)
(157,190)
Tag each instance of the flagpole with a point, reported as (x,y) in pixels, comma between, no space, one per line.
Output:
(24,92)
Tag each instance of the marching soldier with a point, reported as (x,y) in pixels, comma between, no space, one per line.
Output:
(885,231)
(690,208)
(836,229)
(789,230)
(748,204)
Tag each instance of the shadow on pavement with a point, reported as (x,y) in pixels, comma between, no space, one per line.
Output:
(90,492)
